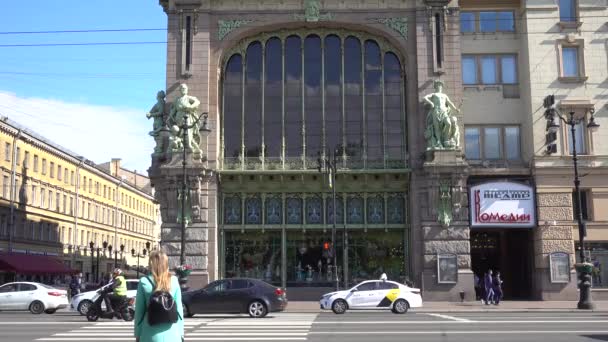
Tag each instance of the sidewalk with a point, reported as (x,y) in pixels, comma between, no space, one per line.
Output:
(507,306)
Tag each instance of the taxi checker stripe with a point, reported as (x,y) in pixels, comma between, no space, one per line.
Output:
(390,297)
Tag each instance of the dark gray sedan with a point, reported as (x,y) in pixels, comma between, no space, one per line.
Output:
(235,295)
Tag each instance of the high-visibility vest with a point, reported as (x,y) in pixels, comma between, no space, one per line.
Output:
(121,290)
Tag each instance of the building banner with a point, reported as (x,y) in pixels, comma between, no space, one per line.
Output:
(502,204)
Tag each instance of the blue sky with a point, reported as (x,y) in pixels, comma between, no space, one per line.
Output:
(92,99)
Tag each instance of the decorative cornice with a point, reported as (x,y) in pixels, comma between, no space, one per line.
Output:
(227,26)
(398,24)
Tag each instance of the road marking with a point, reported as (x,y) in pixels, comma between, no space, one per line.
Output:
(452,322)
(459,332)
(449,317)
(189,339)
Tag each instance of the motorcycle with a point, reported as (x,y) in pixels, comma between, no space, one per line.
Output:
(123,310)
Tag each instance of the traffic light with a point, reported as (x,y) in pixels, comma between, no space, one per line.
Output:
(328,250)
(326,246)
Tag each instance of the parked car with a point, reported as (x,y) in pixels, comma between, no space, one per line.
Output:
(81,302)
(380,294)
(236,295)
(35,297)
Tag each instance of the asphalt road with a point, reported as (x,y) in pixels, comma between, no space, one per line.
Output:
(350,327)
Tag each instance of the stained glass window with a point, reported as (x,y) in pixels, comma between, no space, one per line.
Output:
(314,210)
(293,209)
(375,210)
(354,210)
(330,210)
(232,210)
(253,213)
(273,210)
(396,204)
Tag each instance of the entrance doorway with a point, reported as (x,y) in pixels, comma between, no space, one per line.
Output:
(508,251)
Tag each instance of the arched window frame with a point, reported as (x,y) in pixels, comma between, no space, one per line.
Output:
(285,161)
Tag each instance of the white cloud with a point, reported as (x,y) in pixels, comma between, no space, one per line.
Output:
(98,133)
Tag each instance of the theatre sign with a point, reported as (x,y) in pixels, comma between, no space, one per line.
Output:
(502,204)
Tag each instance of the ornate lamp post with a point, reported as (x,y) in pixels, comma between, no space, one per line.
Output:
(584,268)
(92,249)
(143,255)
(328,167)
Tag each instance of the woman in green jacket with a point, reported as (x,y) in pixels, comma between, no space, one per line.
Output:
(159,280)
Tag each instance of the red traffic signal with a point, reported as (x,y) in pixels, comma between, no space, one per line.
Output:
(326,246)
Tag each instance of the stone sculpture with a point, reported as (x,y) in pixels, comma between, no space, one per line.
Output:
(442,131)
(157,114)
(444,208)
(184,111)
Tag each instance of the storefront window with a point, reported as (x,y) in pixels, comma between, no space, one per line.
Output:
(597,253)
(254,254)
(309,258)
(375,252)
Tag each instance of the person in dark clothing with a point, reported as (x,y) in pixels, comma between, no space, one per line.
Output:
(487,282)
(497,288)
(476,284)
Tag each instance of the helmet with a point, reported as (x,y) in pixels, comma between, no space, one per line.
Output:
(117,272)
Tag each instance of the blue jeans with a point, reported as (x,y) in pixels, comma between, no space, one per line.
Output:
(489,295)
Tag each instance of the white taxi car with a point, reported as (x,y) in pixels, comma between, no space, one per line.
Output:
(35,297)
(373,295)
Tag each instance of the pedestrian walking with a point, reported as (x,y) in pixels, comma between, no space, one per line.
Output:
(75,284)
(477,285)
(497,288)
(149,326)
(487,282)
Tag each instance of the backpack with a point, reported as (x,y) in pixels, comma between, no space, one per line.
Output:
(162,308)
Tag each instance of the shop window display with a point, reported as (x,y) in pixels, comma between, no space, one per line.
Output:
(256,254)
(309,258)
(375,252)
(597,253)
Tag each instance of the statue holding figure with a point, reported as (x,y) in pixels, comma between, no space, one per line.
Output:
(184,111)
(157,114)
(442,132)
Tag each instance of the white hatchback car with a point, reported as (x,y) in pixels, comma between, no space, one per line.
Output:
(81,302)
(373,295)
(35,297)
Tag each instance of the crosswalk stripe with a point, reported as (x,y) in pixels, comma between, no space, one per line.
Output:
(228,333)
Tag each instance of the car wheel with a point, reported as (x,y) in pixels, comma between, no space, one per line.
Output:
(186,311)
(257,309)
(50,311)
(84,306)
(36,307)
(400,306)
(339,306)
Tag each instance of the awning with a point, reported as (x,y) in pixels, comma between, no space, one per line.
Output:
(33,264)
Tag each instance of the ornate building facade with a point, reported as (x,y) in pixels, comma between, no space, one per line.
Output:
(308,97)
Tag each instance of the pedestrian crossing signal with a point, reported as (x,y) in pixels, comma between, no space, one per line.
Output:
(326,246)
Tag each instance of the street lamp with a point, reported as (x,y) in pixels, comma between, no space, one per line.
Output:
(92,248)
(554,117)
(328,166)
(143,255)
(122,250)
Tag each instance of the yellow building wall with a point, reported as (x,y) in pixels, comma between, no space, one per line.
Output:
(46,209)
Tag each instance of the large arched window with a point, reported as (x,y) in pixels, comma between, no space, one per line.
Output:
(292,97)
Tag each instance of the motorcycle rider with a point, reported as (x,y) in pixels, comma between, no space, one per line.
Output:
(119,286)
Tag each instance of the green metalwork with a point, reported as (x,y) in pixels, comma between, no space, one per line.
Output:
(444,207)
(398,24)
(224,27)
